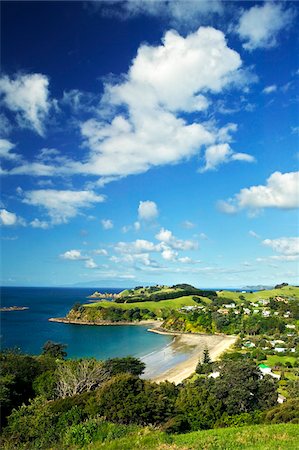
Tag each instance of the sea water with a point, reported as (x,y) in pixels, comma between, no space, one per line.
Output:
(30,329)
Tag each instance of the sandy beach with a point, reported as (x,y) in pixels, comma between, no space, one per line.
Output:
(192,346)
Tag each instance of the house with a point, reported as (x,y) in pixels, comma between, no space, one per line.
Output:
(214,375)
(247,311)
(281,398)
(248,344)
(280,349)
(291,327)
(222,311)
(229,305)
(264,302)
(266,313)
(281,299)
(266,370)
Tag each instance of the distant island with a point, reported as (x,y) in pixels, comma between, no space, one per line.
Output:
(13,308)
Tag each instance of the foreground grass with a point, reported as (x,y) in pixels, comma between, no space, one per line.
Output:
(257,437)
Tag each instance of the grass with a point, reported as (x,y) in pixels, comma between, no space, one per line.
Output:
(273,360)
(256,437)
(155,307)
(287,291)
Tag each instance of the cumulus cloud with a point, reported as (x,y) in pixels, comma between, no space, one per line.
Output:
(8,218)
(144,118)
(280,191)
(216,155)
(107,224)
(28,97)
(259,26)
(288,246)
(166,237)
(61,205)
(147,211)
(73,255)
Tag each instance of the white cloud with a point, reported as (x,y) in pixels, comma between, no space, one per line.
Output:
(169,255)
(8,218)
(220,154)
(281,191)
(5,126)
(147,210)
(5,150)
(101,251)
(107,224)
(270,89)
(226,207)
(28,97)
(288,246)
(162,82)
(146,121)
(260,25)
(175,11)
(188,224)
(90,264)
(36,223)
(166,237)
(61,206)
(73,255)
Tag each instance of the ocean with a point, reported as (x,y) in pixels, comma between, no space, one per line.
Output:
(30,329)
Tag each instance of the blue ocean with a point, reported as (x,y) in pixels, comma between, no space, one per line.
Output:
(30,329)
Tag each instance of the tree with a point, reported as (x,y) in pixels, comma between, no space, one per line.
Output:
(115,366)
(54,349)
(206,356)
(77,376)
(241,388)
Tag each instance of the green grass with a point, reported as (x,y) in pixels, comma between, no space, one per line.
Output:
(273,360)
(288,291)
(256,437)
(155,307)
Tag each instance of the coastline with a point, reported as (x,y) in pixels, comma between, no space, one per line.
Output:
(194,344)
(178,360)
(151,323)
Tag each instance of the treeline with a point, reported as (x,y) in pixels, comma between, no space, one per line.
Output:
(210,321)
(51,402)
(158,296)
(111,314)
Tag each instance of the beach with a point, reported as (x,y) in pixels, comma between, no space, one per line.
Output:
(180,358)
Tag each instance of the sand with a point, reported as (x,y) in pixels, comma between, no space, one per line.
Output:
(193,344)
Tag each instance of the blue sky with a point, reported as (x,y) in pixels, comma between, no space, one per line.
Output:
(149,142)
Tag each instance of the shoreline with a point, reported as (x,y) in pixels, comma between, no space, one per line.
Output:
(191,344)
(152,323)
(194,344)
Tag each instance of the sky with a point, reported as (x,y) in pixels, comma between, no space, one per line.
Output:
(149,142)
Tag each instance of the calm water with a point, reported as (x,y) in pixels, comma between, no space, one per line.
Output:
(29,329)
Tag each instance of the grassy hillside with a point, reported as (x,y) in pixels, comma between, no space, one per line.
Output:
(287,291)
(155,307)
(257,437)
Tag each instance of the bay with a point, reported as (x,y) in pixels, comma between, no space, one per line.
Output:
(30,329)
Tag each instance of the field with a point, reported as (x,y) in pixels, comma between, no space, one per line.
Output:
(155,307)
(257,437)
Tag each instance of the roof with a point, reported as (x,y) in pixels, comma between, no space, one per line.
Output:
(263,366)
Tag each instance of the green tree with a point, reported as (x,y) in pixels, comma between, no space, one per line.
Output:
(54,349)
(131,365)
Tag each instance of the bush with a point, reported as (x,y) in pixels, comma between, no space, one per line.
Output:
(286,412)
